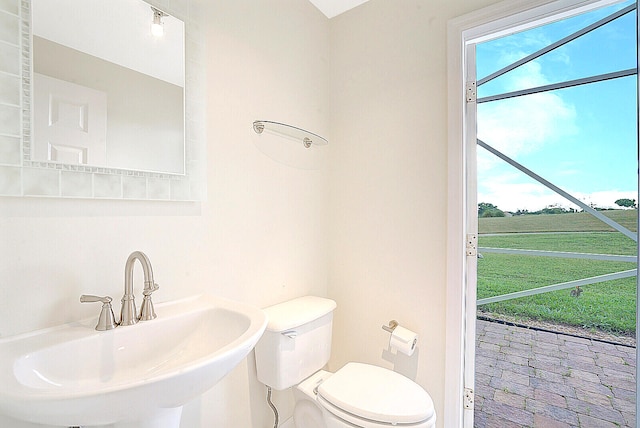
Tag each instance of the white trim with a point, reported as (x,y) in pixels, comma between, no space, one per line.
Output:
(638,196)
(512,16)
(484,24)
(471,233)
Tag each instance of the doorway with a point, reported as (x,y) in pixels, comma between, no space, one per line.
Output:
(465,34)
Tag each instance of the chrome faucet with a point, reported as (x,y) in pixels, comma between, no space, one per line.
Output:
(106,321)
(128,314)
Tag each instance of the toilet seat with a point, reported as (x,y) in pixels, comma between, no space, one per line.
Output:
(363,393)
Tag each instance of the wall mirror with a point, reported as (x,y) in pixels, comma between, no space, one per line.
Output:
(107,101)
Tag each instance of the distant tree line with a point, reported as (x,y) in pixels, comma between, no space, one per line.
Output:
(486,209)
(626,203)
(547,210)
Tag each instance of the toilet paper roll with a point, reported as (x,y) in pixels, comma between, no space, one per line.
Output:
(404,340)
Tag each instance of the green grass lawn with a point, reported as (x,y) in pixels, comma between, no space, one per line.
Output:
(607,306)
(575,242)
(577,222)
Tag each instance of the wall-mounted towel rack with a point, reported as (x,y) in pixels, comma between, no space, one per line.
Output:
(305,137)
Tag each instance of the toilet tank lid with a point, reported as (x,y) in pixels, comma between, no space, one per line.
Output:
(297,312)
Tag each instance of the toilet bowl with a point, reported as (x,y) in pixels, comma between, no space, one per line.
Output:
(294,349)
(362,395)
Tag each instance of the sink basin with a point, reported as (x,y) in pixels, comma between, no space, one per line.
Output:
(72,375)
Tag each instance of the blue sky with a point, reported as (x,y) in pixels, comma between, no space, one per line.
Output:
(582,139)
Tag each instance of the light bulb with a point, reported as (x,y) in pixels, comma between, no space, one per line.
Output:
(157,29)
(157,26)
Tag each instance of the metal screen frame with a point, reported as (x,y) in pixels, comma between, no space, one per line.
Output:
(550,185)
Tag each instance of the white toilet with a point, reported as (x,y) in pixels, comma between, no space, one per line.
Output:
(293,350)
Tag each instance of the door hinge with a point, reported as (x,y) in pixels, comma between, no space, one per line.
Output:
(468,398)
(472,244)
(471,92)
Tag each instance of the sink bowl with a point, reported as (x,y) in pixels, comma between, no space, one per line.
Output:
(72,375)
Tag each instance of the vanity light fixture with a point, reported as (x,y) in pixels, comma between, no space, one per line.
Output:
(157,26)
(298,134)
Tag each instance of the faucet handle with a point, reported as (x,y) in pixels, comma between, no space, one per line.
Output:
(146,309)
(107,320)
(150,289)
(90,298)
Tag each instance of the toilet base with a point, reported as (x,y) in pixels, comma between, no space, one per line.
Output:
(332,420)
(307,413)
(288,424)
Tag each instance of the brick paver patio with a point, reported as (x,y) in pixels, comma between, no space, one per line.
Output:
(532,378)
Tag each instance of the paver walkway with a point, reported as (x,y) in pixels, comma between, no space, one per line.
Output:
(532,378)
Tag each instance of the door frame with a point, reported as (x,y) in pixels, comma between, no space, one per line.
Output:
(488,23)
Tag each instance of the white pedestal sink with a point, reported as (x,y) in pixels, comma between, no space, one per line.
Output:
(135,376)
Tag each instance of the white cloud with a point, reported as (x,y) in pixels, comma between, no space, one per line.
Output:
(607,198)
(516,127)
(510,192)
(524,124)
(537,123)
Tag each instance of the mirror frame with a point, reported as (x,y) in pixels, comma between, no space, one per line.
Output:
(50,179)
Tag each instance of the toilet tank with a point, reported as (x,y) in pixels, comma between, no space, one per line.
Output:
(296,342)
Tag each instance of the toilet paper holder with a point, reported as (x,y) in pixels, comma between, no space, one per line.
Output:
(392,326)
(402,340)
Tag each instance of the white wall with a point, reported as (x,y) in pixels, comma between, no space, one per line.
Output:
(145,124)
(367,229)
(388,200)
(132,44)
(260,238)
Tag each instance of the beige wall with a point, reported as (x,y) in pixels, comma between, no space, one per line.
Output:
(367,228)
(260,237)
(388,200)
